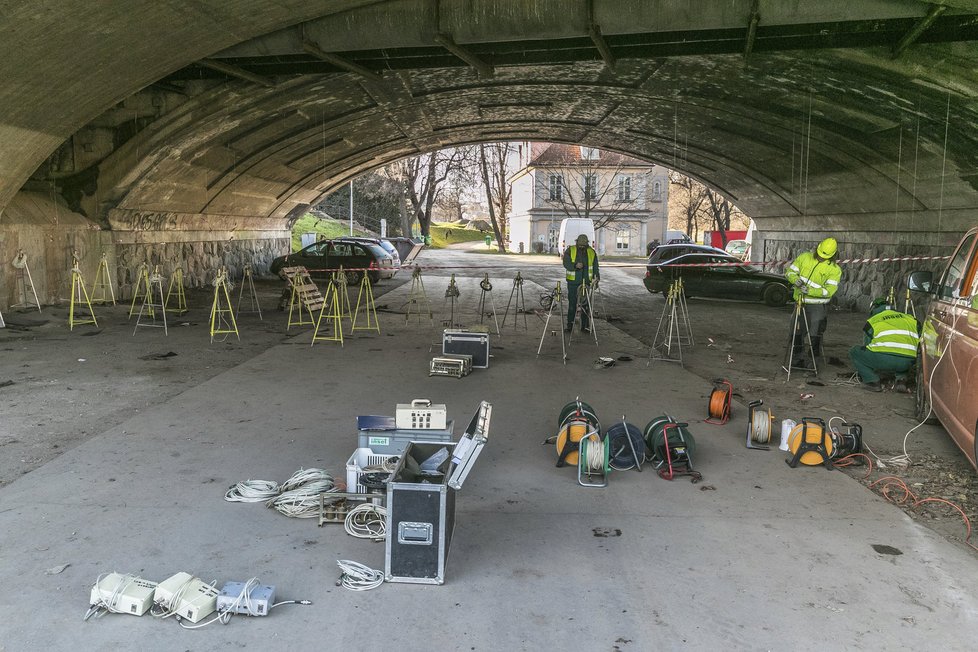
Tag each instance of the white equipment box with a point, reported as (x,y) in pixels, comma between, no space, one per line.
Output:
(256,602)
(187,596)
(123,594)
(420,414)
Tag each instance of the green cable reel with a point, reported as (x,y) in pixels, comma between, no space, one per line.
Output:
(580,410)
(679,438)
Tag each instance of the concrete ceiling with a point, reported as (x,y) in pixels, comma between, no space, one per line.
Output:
(251,113)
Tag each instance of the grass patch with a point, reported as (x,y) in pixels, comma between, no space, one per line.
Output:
(324,229)
(440,237)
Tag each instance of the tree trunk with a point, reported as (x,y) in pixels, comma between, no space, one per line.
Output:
(492,210)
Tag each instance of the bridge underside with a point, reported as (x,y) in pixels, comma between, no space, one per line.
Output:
(205,122)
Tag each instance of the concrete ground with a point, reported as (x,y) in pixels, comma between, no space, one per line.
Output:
(756,556)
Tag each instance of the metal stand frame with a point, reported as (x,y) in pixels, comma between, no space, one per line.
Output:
(103,282)
(585,303)
(79,296)
(175,289)
(671,322)
(150,306)
(221,310)
(248,279)
(142,281)
(800,317)
(366,297)
(24,279)
(520,307)
(418,298)
(557,300)
(486,286)
(335,315)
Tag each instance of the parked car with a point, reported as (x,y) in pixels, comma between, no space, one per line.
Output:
(320,258)
(720,281)
(384,243)
(666,252)
(947,362)
(738,249)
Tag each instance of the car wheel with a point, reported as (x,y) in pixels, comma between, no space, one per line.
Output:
(354,278)
(922,407)
(775,295)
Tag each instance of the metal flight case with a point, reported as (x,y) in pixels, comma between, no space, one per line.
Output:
(421,504)
(467,343)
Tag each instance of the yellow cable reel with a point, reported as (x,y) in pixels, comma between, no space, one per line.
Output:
(814,435)
(572,432)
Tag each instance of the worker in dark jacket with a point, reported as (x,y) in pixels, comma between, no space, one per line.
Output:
(581,263)
(890,347)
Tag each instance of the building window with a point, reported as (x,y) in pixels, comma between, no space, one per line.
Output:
(591,186)
(556,187)
(622,239)
(624,189)
(657,190)
(590,153)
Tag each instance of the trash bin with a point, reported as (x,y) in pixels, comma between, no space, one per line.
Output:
(488,240)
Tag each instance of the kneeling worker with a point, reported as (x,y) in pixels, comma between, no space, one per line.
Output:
(581,263)
(890,348)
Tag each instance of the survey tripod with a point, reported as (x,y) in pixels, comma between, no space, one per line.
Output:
(798,322)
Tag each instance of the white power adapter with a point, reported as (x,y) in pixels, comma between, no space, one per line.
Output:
(186,596)
(123,594)
(246,598)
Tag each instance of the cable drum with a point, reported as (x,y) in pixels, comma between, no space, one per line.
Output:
(622,457)
(655,440)
(760,426)
(581,411)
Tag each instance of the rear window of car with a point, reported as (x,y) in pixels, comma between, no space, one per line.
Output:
(377,250)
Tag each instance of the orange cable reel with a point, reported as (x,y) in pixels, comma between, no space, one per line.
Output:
(718,408)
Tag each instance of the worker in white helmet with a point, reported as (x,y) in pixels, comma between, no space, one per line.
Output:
(816,279)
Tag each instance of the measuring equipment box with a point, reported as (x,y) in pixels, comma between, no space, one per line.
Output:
(421,503)
(420,414)
(467,343)
(453,365)
(393,442)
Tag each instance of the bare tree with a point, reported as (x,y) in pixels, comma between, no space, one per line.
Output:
(594,189)
(493,162)
(421,178)
(701,208)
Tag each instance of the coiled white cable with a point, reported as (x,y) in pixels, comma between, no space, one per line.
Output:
(594,452)
(252,491)
(760,430)
(357,577)
(303,501)
(367,521)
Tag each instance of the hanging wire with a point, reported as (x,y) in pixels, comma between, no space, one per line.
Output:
(916,151)
(896,208)
(947,122)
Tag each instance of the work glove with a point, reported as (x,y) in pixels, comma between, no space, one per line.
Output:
(800,284)
(579,266)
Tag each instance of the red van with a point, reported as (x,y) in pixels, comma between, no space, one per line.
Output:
(947,363)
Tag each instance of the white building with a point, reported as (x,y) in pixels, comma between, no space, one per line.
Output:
(627,199)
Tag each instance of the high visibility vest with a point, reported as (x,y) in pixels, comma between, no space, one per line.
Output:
(893,332)
(821,278)
(586,276)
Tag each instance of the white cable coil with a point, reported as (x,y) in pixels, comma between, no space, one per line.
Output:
(367,521)
(594,453)
(297,497)
(760,427)
(357,577)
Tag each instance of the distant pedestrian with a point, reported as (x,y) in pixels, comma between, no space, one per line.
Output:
(448,234)
(581,263)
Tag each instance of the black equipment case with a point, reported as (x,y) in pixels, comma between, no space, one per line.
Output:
(466,343)
(421,505)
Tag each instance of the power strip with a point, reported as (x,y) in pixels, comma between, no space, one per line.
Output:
(194,599)
(125,594)
(256,603)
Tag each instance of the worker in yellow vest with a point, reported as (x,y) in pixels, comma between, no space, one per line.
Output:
(581,263)
(890,347)
(816,279)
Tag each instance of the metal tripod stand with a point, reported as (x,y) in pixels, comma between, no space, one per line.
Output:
(585,304)
(486,286)
(556,301)
(451,296)
(520,307)
(800,318)
(669,333)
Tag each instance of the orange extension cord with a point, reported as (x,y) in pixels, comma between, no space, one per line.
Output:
(896,491)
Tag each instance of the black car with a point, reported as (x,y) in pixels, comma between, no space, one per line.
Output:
(321,258)
(711,278)
(666,252)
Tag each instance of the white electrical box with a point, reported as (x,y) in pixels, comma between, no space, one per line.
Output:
(420,414)
(256,603)
(187,596)
(123,594)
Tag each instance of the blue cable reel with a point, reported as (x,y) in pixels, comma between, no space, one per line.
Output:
(627,446)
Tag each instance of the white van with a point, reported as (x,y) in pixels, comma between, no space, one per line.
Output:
(572,227)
